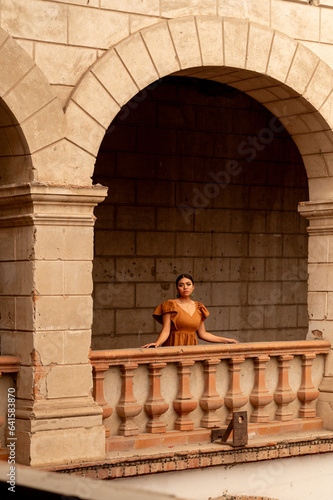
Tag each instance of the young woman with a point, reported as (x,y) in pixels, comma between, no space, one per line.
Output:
(183,318)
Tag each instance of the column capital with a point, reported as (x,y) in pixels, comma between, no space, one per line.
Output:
(319,214)
(40,204)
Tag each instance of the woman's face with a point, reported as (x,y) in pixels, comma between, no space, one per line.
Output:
(185,287)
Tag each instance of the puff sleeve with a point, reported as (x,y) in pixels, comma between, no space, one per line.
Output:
(203,311)
(166,307)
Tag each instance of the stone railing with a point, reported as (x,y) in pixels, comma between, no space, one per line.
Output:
(176,395)
(9,365)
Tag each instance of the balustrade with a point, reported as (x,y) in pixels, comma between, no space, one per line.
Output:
(175,398)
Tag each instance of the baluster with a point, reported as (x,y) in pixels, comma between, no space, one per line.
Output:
(155,405)
(128,407)
(184,403)
(284,394)
(307,392)
(98,393)
(234,398)
(210,400)
(260,396)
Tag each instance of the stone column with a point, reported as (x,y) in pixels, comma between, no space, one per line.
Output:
(320,292)
(46,239)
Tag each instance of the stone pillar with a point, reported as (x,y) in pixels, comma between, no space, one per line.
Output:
(320,292)
(46,239)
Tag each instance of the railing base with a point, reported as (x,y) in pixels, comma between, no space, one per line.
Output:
(200,436)
(168,440)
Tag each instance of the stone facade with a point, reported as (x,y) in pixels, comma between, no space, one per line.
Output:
(66,70)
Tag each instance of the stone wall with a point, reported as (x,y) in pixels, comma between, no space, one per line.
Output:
(200,181)
(65,37)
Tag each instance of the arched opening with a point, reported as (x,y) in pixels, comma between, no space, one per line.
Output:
(267,65)
(202,179)
(15,161)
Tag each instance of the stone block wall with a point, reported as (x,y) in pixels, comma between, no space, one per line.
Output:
(202,179)
(65,37)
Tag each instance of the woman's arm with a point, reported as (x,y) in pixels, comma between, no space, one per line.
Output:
(209,337)
(164,333)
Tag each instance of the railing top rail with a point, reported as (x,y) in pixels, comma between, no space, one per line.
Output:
(9,364)
(201,352)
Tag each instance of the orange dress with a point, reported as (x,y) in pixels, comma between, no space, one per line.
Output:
(183,325)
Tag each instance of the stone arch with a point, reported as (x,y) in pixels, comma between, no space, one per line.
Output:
(281,73)
(31,116)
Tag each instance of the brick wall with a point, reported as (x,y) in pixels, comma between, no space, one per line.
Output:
(202,179)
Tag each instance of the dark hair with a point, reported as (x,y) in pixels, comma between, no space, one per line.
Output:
(188,276)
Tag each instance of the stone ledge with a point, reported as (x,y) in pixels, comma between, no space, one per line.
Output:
(194,456)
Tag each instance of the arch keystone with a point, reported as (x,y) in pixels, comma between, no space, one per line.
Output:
(235,33)
(161,48)
(211,40)
(184,35)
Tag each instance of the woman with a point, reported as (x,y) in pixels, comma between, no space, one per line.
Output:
(182,318)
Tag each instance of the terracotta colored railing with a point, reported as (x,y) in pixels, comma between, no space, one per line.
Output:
(10,365)
(169,395)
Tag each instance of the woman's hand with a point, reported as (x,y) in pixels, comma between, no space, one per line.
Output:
(164,333)
(232,341)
